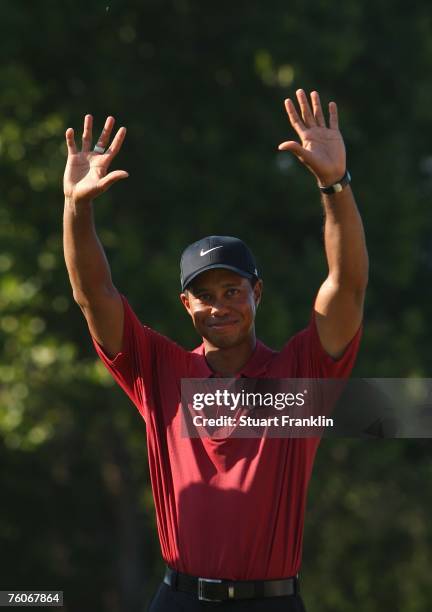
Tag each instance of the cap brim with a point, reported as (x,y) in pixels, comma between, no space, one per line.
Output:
(214,267)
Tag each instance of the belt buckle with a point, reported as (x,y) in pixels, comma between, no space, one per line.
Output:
(201,582)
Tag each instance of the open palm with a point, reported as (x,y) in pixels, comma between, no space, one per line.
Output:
(86,174)
(322,148)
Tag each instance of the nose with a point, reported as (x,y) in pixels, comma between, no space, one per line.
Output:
(219,308)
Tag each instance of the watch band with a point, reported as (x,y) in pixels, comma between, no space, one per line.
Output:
(338,186)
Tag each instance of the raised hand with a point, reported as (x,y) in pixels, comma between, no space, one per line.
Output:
(322,148)
(85,174)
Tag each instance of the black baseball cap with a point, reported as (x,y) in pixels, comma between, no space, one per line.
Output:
(216,252)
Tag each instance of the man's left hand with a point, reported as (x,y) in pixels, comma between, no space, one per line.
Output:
(322,148)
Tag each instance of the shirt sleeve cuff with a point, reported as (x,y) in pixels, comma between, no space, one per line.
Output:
(352,344)
(113,361)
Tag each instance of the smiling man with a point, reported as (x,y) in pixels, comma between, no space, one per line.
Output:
(221,292)
(230,511)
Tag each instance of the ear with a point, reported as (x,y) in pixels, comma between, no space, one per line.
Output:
(184,298)
(257,290)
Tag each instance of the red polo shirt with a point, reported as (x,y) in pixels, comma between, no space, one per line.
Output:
(231,508)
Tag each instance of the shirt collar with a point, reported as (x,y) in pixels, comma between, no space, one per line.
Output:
(256,365)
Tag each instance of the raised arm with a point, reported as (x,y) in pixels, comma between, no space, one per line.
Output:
(86,177)
(339,303)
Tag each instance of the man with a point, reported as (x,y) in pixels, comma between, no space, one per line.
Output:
(229,511)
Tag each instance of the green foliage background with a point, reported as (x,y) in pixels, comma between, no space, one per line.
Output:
(200,88)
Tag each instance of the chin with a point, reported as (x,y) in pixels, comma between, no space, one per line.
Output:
(221,341)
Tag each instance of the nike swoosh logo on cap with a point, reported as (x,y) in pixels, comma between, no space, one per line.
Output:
(202,252)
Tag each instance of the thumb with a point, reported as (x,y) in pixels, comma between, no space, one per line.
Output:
(297,149)
(112,178)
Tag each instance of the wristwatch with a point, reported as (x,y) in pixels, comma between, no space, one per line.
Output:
(336,187)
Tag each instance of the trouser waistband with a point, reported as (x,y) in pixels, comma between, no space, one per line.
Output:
(211,589)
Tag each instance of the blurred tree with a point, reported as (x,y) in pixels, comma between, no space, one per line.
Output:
(201,91)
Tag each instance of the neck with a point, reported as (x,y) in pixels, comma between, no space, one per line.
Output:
(230,360)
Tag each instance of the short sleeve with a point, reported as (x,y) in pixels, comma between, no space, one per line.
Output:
(314,362)
(135,368)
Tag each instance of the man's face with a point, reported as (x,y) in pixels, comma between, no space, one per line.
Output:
(222,305)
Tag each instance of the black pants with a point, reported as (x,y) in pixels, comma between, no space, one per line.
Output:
(167,600)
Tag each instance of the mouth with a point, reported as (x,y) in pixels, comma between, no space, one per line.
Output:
(223,324)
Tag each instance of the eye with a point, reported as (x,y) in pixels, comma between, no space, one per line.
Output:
(232,291)
(204,297)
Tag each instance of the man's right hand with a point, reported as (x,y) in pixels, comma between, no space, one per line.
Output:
(86,175)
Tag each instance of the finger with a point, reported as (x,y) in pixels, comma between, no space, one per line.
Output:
(294,147)
(308,118)
(112,178)
(317,109)
(106,133)
(116,144)
(70,141)
(87,133)
(333,116)
(294,117)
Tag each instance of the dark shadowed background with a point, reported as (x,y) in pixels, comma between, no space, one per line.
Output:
(200,87)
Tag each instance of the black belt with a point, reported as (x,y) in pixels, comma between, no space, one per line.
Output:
(210,589)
